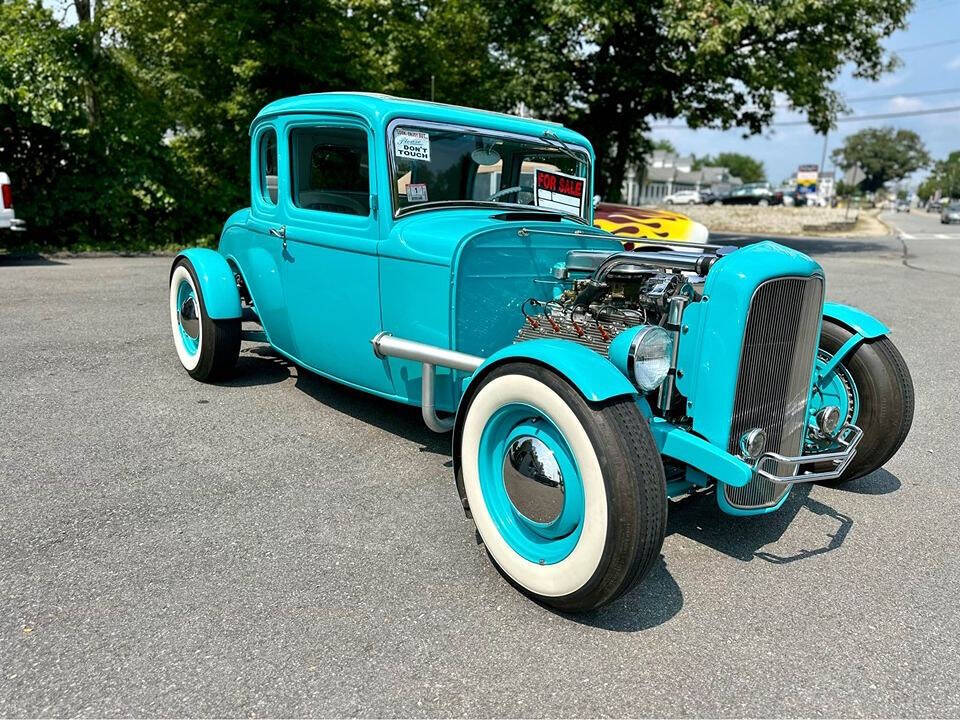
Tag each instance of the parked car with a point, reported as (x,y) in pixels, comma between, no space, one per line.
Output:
(902,206)
(709,197)
(934,206)
(8,220)
(683,197)
(753,196)
(950,214)
(583,384)
(632,225)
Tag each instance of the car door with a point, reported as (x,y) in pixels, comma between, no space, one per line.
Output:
(329,268)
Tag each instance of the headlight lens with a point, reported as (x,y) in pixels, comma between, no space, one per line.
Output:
(649,358)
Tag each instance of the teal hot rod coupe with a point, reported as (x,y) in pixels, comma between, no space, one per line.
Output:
(445,257)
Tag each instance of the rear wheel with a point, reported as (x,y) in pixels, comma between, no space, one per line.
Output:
(207,348)
(569,498)
(874,390)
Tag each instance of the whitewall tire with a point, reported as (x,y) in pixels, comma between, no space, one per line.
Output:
(569,498)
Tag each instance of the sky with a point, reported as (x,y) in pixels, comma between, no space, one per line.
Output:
(782,149)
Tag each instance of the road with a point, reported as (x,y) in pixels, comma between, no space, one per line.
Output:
(280,545)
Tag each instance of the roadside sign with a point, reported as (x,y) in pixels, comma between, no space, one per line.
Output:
(807,178)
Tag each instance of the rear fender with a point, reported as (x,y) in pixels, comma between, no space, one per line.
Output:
(593,376)
(221,298)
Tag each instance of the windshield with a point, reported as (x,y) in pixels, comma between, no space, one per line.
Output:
(434,166)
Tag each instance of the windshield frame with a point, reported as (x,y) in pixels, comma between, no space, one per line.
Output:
(398,212)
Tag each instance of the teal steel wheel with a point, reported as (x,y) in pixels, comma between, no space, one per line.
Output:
(531,483)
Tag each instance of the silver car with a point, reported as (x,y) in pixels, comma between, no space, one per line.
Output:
(950,214)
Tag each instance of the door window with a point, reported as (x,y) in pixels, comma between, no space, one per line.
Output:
(268,166)
(330,169)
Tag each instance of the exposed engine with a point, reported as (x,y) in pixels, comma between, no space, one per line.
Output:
(608,293)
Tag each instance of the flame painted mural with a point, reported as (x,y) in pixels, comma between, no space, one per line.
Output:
(629,222)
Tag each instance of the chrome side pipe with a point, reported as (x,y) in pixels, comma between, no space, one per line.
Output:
(386,345)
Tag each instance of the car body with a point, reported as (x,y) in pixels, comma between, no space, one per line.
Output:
(8,219)
(683,197)
(753,195)
(950,214)
(902,206)
(446,258)
(934,206)
(632,224)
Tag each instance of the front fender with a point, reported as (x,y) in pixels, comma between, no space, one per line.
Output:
(221,298)
(594,377)
(857,320)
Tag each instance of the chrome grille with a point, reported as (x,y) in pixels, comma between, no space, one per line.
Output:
(773,382)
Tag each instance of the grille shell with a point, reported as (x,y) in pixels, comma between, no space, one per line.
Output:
(773,380)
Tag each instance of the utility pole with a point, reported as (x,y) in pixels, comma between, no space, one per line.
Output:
(432,87)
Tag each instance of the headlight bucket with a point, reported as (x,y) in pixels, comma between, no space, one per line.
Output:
(643,354)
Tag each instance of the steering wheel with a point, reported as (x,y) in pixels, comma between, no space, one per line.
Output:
(509,190)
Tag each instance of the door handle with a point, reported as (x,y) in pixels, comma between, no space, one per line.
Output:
(280,232)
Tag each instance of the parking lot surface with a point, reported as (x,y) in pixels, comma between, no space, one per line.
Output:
(280,545)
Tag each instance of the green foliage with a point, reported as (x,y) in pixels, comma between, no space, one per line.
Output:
(884,154)
(664,144)
(81,138)
(945,178)
(743,166)
(607,68)
(129,128)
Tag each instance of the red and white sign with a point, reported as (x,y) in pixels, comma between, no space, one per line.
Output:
(557,191)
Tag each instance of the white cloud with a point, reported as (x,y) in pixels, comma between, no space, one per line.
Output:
(954,64)
(906,104)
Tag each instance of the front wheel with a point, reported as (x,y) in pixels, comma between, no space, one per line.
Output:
(874,390)
(569,498)
(207,348)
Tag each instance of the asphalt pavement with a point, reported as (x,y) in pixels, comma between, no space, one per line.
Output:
(280,545)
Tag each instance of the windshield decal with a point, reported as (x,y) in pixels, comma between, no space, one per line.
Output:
(417,192)
(558,191)
(411,144)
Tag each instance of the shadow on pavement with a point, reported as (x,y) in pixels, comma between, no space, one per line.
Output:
(30,260)
(262,365)
(808,245)
(879,482)
(654,601)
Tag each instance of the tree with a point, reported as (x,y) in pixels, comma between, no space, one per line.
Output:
(665,145)
(743,166)
(884,154)
(81,139)
(946,176)
(608,68)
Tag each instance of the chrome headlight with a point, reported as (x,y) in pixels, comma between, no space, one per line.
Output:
(752,443)
(648,361)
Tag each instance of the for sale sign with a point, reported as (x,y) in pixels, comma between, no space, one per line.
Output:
(557,191)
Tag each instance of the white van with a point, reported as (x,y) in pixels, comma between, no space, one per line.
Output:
(8,221)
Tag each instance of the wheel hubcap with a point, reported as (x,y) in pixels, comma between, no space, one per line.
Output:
(533,479)
(189,318)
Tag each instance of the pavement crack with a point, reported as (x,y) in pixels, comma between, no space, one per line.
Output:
(905,259)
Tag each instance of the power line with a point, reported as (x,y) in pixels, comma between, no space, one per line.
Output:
(925,46)
(848,118)
(891,96)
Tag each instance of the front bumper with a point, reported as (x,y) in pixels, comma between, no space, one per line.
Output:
(709,461)
(848,437)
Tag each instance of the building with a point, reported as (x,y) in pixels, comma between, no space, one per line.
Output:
(666,173)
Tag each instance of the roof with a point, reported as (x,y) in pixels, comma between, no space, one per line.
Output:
(379,110)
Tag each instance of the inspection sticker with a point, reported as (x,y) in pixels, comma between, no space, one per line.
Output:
(557,191)
(417,192)
(411,144)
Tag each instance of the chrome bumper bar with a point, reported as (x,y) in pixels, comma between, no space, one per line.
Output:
(847,437)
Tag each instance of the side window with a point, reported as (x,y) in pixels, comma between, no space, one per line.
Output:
(330,169)
(268,166)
